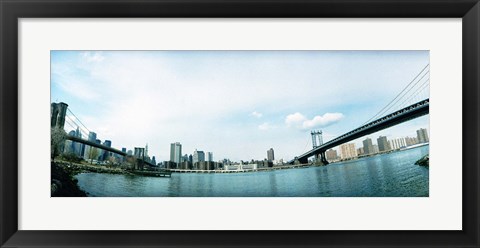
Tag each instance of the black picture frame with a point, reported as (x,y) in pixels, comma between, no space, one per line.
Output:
(11,11)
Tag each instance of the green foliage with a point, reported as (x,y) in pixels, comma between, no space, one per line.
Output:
(71,157)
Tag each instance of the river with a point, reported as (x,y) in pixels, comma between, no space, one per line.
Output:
(393,174)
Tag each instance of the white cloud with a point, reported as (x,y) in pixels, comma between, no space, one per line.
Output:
(295,119)
(256,114)
(299,121)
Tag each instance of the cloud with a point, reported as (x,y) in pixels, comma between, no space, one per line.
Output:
(256,114)
(265,126)
(299,121)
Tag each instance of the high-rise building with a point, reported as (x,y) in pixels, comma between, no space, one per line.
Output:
(198,156)
(58,111)
(348,151)
(106,154)
(154,162)
(92,136)
(375,149)
(410,141)
(383,144)
(210,156)
(69,145)
(270,154)
(331,154)
(397,143)
(176,152)
(422,135)
(367,146)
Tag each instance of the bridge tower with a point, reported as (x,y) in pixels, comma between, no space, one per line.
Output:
(317,140)
(58,112)
(316,135)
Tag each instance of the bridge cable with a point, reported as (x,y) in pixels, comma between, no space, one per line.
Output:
(406,87)
(398,99)
(78,119)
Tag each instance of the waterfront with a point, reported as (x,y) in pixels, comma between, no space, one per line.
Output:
(393,174)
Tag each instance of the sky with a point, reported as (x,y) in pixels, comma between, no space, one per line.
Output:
(236,104)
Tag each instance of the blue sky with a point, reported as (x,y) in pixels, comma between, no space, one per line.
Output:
(236,104)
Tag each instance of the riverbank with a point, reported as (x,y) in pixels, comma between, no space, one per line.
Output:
(63,183)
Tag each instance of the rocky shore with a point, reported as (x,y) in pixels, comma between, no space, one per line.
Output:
(63,183)
(424,161)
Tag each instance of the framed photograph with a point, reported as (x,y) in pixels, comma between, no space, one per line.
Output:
(250,124)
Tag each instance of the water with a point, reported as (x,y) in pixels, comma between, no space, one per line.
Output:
(393,174)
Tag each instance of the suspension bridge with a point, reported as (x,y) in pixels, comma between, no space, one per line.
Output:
(62,116)
(412,102)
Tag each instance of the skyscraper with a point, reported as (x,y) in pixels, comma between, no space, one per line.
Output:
(198,156)
(270,154)
(106,154)
(176,152)
(422,135)
(92,136)
(383,144)
(210,156)
(367,146)
(348,151)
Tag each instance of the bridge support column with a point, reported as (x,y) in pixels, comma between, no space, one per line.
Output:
(323,158)
(320,159)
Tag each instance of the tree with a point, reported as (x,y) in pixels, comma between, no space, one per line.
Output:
(57,142)
(93,154)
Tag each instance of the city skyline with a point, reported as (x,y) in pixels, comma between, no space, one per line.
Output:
(213,105)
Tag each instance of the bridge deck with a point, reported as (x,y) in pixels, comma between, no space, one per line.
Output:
(411,112)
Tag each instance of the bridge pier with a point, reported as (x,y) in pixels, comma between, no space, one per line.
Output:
(320,159)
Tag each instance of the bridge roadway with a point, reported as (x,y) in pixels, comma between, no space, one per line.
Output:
(408,113)
(100,146)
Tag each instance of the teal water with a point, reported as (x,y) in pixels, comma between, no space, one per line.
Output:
(393,174)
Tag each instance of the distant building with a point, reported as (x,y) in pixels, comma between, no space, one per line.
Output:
(270,154)
(410,141)
(375,149)
(397,143)
(331,154)
(69,145)
(176,152)
(198,156)
(92,136)
(348,151)
(422,135)
(185,158)
(367,146)
(360,151)
(153,160)
(210,156)
(383,144)
(190,158)
(106,154)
